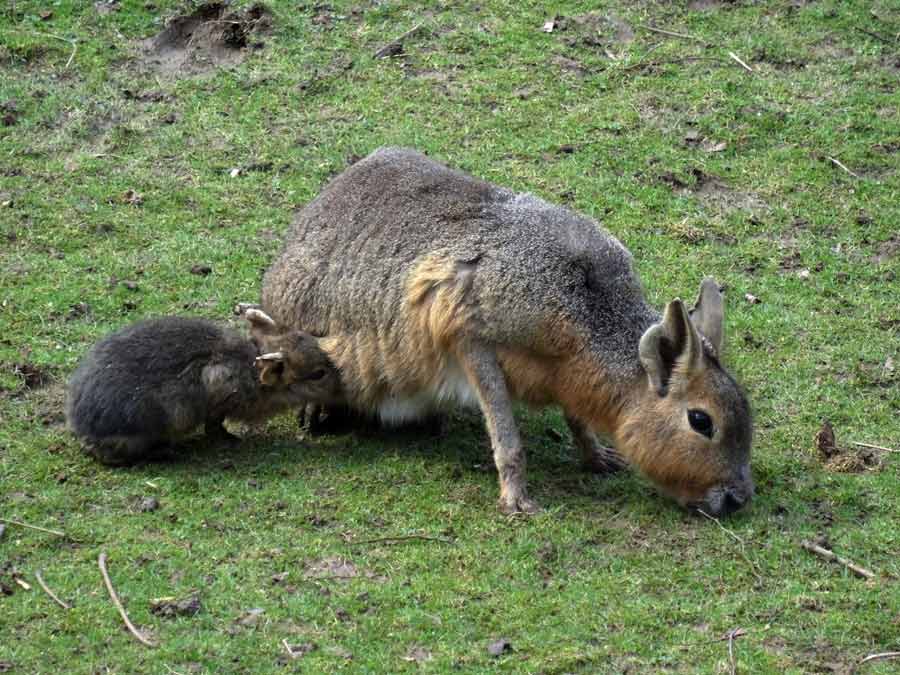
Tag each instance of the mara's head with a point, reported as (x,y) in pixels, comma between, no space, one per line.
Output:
(291,363)
(690,430)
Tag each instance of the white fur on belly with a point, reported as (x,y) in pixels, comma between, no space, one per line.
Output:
(452,389)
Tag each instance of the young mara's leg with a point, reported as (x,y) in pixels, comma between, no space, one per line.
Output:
(595,457)
(486,378)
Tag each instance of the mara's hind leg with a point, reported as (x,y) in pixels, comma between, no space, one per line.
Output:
(486,378)
(595,456)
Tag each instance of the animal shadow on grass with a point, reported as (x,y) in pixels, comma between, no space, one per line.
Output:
(456,445)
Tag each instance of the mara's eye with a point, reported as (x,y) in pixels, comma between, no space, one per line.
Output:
(701,422)
(317,375)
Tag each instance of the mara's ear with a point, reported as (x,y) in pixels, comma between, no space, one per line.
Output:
(708,314)
(260,323)
(271,368)
(670,345)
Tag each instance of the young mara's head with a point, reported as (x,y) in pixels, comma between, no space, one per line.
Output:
(291,363)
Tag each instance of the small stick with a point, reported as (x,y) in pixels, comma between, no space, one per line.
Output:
(24,584)
(384,51)
(738,59)
(841,165)
(671,33)
(878,37)
(831,556)
(32,527)
(880,657)
(731,650)
(287,648)
(101,561)
(394,540)
(40,580)
(737,539)
(873,447)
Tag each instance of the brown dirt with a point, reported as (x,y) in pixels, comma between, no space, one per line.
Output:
(595,29)
(887,250)
(207,39)
(712,192)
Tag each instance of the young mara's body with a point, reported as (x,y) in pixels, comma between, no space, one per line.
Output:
(146,386)
(434,287)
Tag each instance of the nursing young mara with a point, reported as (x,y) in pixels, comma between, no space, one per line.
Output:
(433,288)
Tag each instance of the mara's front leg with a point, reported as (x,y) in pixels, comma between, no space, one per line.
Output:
(595,456)
(487,380)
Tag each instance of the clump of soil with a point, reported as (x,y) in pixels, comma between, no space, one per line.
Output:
(208,38)
(843,460)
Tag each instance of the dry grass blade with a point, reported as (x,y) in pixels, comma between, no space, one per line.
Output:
(874,447)
(884,656)
(841,165)
(399,539)
(671,33)
(32,527)
(740,62)
(740,542)
(101,561)
(40,580)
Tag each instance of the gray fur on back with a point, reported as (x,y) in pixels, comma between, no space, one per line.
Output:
(349,254)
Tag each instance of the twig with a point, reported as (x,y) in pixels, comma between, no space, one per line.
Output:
(738,59)
(874,447)
(880,657)
(33,527)
(40,580)
(386,49)
(841,165)
(394,540)
(878,37)
(831,556)
(738,540)
(668,62)
(732,634)
(671,33)
(101,561)
(24,584)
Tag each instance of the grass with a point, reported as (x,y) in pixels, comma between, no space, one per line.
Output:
(698,166)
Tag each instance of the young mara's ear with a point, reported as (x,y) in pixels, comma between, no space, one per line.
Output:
(708,314)
(271,368)
(671,344)
(260,322)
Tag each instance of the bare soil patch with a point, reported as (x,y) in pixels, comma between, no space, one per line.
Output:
(712,192)
(208,38)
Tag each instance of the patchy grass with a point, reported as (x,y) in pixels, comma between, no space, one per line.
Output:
(116,177)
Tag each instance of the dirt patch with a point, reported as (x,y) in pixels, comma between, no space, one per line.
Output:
(594,29)
(839,459)
(887,250)
(712,192)
(208,38)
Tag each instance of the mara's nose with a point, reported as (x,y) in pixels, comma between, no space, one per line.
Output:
(732,501)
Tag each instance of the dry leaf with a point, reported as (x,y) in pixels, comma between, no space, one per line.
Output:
(752,299)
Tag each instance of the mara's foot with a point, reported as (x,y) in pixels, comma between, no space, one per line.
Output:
(241,308)
(604,461)
(517,501)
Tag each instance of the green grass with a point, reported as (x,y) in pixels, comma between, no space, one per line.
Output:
(610,577)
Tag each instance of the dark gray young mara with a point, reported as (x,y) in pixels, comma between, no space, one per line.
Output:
(142,388)
(434,287)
